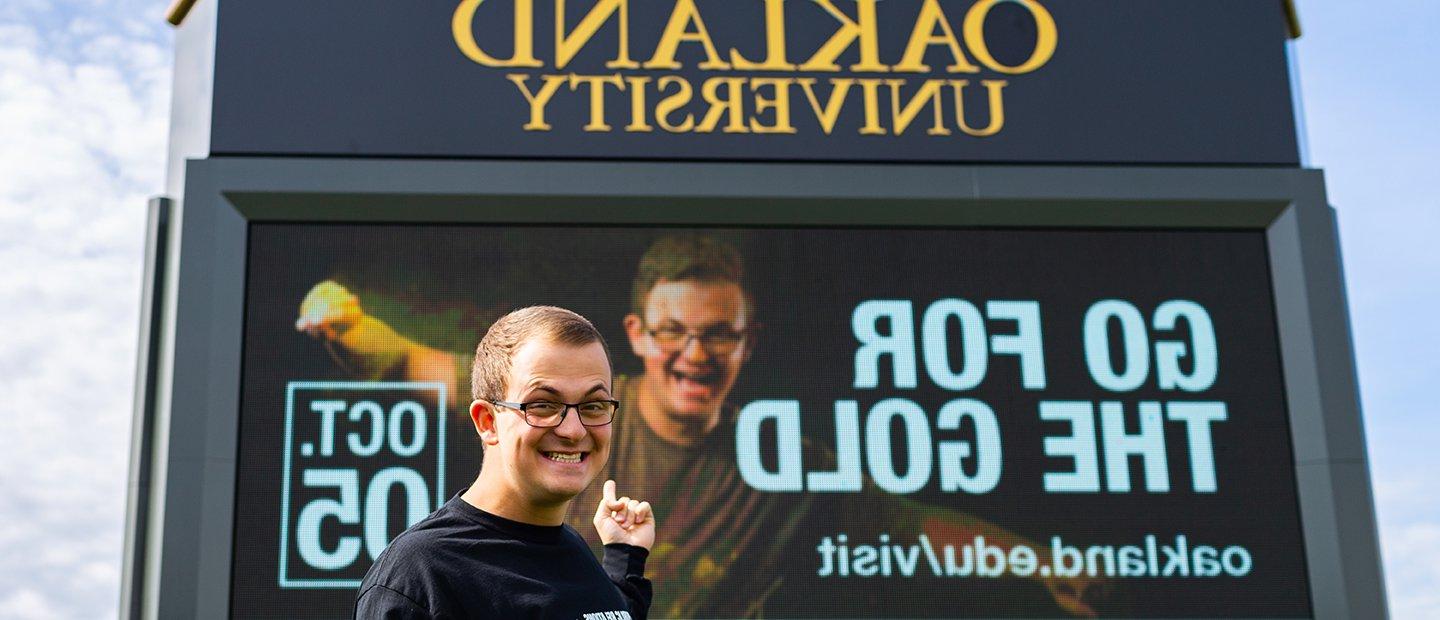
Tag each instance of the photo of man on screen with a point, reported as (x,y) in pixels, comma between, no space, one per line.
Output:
(727,549)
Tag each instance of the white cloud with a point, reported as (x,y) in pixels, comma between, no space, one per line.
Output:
(1411,569)
(84,94)
(1409,521)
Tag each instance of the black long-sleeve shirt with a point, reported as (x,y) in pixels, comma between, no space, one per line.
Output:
(463,562)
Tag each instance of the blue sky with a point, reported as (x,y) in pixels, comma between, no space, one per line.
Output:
(84,104)
(1367,71)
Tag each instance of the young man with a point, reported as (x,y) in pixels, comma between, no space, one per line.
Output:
(542,410)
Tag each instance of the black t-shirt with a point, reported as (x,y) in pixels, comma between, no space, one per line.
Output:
(463,562)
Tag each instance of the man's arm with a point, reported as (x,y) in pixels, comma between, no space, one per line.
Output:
(366,347)
(627,527)
(382,603)
(625,566)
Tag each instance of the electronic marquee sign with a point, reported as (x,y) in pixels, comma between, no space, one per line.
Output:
(1025,410)
(961,371)
(954,401)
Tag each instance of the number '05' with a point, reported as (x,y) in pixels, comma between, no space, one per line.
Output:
(348,511)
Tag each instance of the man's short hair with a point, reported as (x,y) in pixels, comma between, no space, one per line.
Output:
(687,257)
(491,371)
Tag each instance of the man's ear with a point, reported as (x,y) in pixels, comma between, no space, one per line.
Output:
(635,332)
(482,415)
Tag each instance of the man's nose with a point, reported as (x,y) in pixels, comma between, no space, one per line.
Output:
(694,350)
(570,426)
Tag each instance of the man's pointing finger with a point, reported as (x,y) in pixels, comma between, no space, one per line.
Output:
(610,503)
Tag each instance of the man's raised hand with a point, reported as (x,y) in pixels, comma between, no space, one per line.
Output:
(329,310)
(624,520)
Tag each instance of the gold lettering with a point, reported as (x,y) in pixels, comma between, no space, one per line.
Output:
(673,102)
(870,89)
(597,97)
(566,47)
(997,107)
(775,59)
(463,28)
(838,89)
(902,117)
(549,84)
(731,104)
(639,120)
(678,31)
(861,29)
(780,103)
(923,36)
(1045,36)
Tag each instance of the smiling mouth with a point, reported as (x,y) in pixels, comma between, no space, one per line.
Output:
(706,379)
(566,457)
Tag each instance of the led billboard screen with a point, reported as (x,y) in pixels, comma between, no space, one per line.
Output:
(874,422)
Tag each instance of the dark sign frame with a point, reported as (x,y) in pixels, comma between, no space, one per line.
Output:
(1131,82)
(187,555)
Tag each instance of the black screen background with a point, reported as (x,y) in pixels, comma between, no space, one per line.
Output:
(442,285)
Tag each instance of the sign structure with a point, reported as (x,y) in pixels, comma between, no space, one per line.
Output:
(1043,81)
(951,366)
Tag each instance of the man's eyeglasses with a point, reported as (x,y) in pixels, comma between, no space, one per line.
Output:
(549,414)
(715,341)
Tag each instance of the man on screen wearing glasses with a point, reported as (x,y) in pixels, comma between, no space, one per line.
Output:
(725,545)
(501,549)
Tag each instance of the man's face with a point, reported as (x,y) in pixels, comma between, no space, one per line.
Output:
(546,466)
(689,380)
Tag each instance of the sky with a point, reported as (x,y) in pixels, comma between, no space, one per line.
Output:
(84,105)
